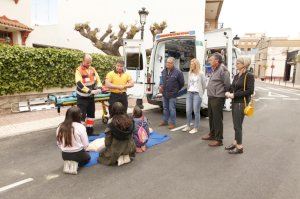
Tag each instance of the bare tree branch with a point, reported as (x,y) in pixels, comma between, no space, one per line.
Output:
(133,30)
(108,31)
(112,45)
(122,31)
(157,28)
(112,38)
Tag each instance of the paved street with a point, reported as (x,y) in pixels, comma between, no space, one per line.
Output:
(184,167)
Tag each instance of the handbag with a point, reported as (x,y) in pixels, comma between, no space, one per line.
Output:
(249,109)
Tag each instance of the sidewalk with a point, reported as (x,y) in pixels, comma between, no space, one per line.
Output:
(280,83)
(27,122)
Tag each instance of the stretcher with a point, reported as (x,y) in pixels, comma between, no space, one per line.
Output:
(35,104)
(70,100)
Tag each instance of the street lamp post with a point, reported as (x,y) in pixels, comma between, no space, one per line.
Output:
(143,15)
(294,74)
(272,67)
(236,40)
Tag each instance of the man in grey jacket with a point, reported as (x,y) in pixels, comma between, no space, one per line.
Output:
(218,84)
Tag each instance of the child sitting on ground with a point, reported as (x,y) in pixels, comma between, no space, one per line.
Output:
(141,130)
(119,144)
(72,139)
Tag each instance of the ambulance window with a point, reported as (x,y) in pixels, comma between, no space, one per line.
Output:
(183,50)
(134,61)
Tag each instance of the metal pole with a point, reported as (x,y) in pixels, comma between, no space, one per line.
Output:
(139,102)
(142,32)
(272,74)
(294,75)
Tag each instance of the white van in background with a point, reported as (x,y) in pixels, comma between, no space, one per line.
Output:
(183,46)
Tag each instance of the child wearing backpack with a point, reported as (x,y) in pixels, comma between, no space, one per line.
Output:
(141,130)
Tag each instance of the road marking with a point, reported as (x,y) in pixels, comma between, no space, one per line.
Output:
(180,127)
(293,90)
(285,90)
(266,98)
(51,176)
(261,88)
(15,184)
(272,94)
(292,99)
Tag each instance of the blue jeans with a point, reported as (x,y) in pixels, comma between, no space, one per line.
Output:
(169,111)
(193,103)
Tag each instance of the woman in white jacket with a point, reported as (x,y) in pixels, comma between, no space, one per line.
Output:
(195,90)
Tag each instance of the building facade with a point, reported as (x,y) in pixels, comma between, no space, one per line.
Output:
(273,56)
(248,44)
(52,22)
(212,13)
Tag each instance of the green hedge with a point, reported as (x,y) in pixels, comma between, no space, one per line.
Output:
(24,69)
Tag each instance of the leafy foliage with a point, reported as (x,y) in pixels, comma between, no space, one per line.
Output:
(33,69)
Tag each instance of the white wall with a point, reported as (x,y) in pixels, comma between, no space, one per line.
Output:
(279,53)
(297,77)
(102,12)
(20,11)
(17,38)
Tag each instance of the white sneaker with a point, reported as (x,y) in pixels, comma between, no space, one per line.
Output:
(185,129)
(121,160)
(70,167)
(193,131)
(126,159)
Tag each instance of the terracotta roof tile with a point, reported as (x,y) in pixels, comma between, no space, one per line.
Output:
(13,23)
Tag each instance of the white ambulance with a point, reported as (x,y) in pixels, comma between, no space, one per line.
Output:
(183,46)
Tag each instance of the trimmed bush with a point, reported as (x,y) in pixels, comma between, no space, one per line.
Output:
(24,69)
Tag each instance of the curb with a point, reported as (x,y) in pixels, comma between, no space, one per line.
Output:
(45,124)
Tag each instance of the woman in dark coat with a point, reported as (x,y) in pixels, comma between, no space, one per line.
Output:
(241,89)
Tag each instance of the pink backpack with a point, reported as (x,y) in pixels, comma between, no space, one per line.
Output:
(142,136)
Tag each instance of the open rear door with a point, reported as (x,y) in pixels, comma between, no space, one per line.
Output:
(218,41)
(136,66)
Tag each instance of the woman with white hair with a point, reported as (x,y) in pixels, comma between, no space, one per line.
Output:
(195,90)
(241,89)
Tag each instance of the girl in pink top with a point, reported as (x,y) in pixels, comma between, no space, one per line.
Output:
(72,138)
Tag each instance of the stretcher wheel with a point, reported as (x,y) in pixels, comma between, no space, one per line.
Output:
(104,119)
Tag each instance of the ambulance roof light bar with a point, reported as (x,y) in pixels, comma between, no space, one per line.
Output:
(175,34)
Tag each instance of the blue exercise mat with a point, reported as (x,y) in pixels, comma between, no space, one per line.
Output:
(154,139)
(92,138)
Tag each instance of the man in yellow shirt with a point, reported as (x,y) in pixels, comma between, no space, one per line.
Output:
(118,81)
(88,84)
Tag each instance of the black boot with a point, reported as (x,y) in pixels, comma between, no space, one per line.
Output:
(139,103)
(236,151)
(90,131)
